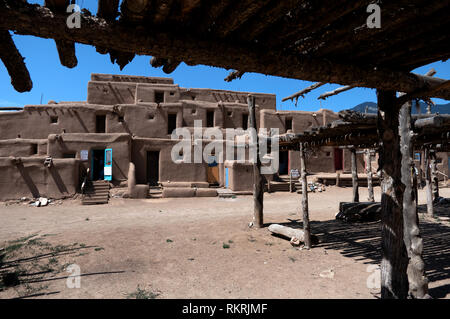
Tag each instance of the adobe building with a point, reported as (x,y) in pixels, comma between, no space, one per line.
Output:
(122,134)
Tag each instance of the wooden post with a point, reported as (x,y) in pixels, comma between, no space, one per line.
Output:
(306,227)
(258,183)
(418,284)
(430,209)
(434,177)
(394,262)
(369,176)
(354,176)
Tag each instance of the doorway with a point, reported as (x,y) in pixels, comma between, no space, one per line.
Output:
(338,159)
(98,164)
(152,168)
(284,163)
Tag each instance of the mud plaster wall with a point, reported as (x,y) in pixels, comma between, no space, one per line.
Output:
(31,178)
(240,176)
(74,143)
(23,147)
(168,170)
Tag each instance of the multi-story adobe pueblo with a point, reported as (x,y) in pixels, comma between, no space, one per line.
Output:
(122,134)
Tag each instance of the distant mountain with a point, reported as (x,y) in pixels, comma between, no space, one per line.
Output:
(372,108)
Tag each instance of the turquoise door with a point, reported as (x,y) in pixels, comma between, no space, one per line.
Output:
(226,177)
(108,165)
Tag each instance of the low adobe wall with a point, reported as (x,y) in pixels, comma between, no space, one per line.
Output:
(240,176)
(28,177)
(72,144)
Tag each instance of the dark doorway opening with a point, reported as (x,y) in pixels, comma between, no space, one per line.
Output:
(210,119)
(244,121)
(288,124)
(152,168)
(338,159)
(100,123)
(284,163)
(171,123)
(98,165)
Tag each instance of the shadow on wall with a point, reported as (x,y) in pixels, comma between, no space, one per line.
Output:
(58,180)
(28,181)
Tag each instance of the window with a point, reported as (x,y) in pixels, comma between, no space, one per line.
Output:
(159,97)
(151,116)
(34,149)
(288,124)
(121,119)
(53,119)
(244,121)
(100,124)
(69,155)
(171,123)
(194,111)
(209,118)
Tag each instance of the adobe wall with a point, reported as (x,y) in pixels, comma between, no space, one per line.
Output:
(23,147)
(168,170)
(240,176)
(74,143)
(30,178)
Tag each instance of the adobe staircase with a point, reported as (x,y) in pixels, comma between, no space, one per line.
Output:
(155,191)
(97,192)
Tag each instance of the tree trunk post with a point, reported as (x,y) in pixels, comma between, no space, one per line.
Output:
(394,263)
(258,183)
(354,176)
(428,186)
(418,284)
(434,177)
(369,176)
(306,227)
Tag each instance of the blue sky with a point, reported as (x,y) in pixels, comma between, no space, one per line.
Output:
(51,81)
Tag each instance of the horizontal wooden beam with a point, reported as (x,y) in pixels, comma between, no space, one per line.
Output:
(27,19)
(335,92)
(301,93)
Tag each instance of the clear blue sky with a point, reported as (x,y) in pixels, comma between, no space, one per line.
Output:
(59,83)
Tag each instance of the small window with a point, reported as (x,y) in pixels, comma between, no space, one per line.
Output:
(171,123)
(34,149)
(69,155)
(328,154)
(121,119)
(288,124)
(159,97)
(53,119)
(230,113)
(100,124)
(209,118)
(245,121)
(18,136)
(172,93)
(151,116)
(194,111)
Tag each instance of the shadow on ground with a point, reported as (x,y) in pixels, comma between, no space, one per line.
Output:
(362,241)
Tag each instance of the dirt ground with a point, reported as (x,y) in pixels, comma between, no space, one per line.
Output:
(201,248)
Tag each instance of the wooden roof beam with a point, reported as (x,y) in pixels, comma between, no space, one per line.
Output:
(14,63)
(335,92)
(66,49)
(35,20)
(301,93)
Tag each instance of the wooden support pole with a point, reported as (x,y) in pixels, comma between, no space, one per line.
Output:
(354,176)
(428,184)
(14,63)
(258,183)
(371,198)
(394,263)
(306,227)
(434,177)
(418,284)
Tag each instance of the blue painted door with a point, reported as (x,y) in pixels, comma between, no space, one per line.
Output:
(226,177)
(108,165)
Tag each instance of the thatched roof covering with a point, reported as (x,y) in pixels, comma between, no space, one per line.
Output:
(325,41)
